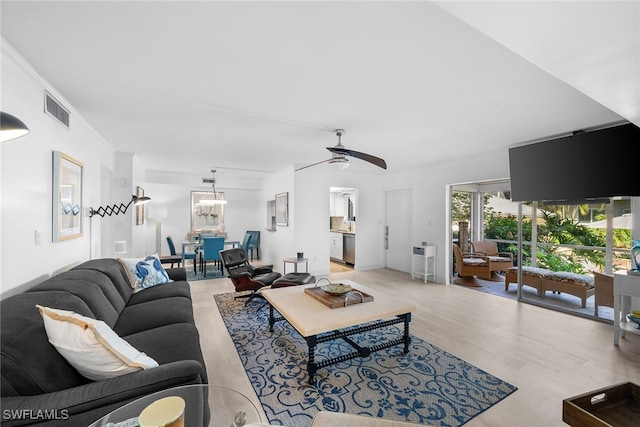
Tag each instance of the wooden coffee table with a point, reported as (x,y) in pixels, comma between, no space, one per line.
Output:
(318,323)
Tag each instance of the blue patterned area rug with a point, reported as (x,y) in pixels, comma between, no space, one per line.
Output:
(212,273)
(427,385)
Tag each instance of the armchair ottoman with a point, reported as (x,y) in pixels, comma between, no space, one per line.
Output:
(293,279)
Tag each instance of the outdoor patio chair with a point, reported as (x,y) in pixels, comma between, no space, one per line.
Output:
(500,261)
(603,290)
(470,265)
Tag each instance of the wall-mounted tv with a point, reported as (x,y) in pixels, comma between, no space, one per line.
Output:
(587,165)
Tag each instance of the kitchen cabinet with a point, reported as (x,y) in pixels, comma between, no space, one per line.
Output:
(336,246)
(342,202)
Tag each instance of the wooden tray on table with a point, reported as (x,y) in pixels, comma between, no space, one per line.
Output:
(336,301)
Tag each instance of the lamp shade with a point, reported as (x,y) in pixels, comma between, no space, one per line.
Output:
(11,127)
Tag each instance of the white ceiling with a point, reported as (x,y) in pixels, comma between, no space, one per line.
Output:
(261,85)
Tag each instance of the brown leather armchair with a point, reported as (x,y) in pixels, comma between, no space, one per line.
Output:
(244,276)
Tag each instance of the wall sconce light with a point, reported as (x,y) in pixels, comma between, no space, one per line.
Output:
(11,127)
(112,210)
(118,209)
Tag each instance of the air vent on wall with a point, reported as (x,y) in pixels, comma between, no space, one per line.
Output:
(53,108)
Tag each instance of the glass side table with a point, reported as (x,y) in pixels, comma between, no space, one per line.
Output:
(226,407)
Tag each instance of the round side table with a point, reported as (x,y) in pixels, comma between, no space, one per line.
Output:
(295,262)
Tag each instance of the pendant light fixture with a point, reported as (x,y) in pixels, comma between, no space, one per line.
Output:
(213,197)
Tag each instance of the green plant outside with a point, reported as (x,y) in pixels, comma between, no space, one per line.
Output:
(554,229)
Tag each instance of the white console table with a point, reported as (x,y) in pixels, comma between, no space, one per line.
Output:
(423,262)
(625,287)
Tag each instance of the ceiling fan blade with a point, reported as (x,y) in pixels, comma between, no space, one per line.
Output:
(313,164)
(362,156)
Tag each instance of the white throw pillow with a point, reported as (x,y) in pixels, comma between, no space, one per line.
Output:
(145,272)
(91,346)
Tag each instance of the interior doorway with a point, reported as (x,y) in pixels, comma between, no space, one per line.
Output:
(343,213)
(398,232)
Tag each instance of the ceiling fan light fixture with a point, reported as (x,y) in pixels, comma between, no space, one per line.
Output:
(339,163)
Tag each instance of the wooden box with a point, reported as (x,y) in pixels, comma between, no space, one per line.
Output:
(616,405)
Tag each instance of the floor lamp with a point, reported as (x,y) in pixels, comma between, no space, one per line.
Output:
(110,210)
(159,213)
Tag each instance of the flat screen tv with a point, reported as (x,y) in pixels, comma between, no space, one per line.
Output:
(588,165)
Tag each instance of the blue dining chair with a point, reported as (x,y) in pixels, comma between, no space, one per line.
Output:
(211,247)
(185,256)
(246,242)
(255,243)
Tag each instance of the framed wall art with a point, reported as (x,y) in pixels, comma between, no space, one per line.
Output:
(204,215)
(282,209)
(67,197)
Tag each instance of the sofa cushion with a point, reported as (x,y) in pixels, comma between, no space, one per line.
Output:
(145,272)
(91,346)
(30,365)
(175,289)
(531,271)
(154,314)
(170,343)
(573,278)
(90,286)
(475,262)
(114,270)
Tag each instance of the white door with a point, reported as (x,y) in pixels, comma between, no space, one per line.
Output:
(398,239)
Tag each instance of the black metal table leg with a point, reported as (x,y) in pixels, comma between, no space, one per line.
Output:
(272,320)
(311,364)
(406,337)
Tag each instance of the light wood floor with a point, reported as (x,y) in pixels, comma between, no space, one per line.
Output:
(548,355)
(337,267)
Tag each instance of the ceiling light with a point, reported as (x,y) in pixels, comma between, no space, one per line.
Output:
(213,197)
(11,127)
(339,162)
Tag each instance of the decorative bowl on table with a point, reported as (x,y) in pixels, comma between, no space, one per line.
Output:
(336,288)
(634,319)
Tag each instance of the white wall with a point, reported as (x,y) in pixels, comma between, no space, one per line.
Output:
(26,178)
(312,217)
(430,199)
(279,244)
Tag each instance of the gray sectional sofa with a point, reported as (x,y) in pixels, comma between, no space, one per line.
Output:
(157,321)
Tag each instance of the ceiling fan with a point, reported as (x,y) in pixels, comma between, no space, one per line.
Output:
(339,156)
